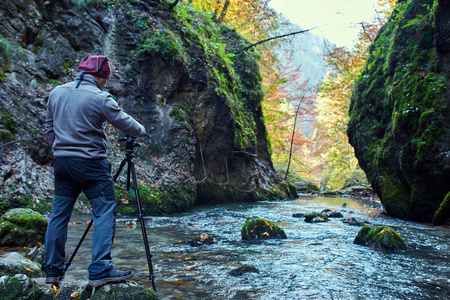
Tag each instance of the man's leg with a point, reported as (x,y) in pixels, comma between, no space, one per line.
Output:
(104,216)
(102,197)
(66,193)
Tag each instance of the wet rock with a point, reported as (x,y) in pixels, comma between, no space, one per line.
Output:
(315,217)
(331,213)
(20,286)
(126,290)
(13,263)
(36,254)
(23,279)
(298,215)
(382,237)
(354,221)
(203,239)
(256,228)
(22,227)
(244,269)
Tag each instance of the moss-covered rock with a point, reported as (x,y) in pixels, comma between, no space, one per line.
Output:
(20,286)
(382,237)
(399,111)
(442,215)
(22,227)
(316,217)
(256,228)
(123,291)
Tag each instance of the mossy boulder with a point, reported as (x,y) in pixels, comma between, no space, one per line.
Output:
(442,215)
(316,217)
(399,111)
(22,227)
(381,237)
(256,228)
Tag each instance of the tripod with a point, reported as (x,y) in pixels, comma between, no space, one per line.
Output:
(131,174)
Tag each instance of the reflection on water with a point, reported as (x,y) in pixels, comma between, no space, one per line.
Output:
(317,261)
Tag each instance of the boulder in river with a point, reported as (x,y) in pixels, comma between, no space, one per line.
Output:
(256,228)
(22,227)
(331,213)
(315,217)
(203,239)
(244,269)
(380,237)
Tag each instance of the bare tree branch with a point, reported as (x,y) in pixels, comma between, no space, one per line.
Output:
(272,38)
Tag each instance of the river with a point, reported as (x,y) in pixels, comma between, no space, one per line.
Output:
(316,261)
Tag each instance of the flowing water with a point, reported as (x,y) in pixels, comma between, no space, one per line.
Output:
(316,261)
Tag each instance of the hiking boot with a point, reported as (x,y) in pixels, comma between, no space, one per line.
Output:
(114,276)
(54,276)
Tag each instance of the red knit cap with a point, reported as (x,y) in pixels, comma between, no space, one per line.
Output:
(97,65)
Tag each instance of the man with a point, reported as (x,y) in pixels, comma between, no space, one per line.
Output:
(76,118)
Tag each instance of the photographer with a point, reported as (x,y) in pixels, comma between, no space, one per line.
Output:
(76,118)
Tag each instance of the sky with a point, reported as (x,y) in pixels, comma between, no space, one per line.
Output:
(337,20)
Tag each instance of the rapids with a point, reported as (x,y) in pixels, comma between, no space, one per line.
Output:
(316,261)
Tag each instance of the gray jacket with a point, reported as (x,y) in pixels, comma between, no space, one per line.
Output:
(76,119)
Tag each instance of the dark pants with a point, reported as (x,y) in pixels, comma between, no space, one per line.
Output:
(93,177)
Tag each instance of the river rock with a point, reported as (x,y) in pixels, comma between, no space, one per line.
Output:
(13,263)
(22,227)
(256,228)
(244,269)
(381,237)
(331,213)
(354,221)
(23,279)
(316,217)
(203,239)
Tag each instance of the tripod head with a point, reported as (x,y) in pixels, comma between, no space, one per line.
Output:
(130,143)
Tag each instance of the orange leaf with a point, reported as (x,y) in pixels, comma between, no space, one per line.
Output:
(265,233)
(55,289)
(252,230)
(179,282)
(267,223)
(74,294)
(29,270)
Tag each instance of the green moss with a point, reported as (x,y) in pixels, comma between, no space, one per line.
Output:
(398,110)
(181,113)
(155,201)
(198,42)
(256,228)
(22,227)
(442,214)
(382,237)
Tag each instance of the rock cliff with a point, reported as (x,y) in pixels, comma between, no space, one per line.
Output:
(173,70)
(399,112)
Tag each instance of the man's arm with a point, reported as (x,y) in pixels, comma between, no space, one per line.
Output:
(49,127)
(121,120)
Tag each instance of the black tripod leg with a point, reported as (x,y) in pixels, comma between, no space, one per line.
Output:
(144,232)
(69,262)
